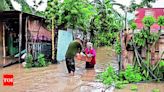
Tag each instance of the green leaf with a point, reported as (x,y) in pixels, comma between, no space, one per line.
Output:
(161,21)
(133,26)
(148,21)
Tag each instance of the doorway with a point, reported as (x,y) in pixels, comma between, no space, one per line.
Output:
(12,37)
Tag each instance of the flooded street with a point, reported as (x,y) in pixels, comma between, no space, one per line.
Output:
(54,78)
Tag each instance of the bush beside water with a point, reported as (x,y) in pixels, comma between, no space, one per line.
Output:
(40,62)
(129,75)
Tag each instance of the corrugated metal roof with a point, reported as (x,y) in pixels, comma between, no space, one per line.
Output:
(15,14)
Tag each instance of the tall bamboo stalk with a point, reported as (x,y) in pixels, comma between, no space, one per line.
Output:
(53,43)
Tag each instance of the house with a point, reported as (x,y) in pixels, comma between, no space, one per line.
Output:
(156,52)
(23,32)
(142,12)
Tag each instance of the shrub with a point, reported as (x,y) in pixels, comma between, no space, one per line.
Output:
(41,61)
(148,21)
(161,20)
(133,26)
(29,61)
(132,74)
(110,76)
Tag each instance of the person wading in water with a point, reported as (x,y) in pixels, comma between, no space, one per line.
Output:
(91,53)
(73,48)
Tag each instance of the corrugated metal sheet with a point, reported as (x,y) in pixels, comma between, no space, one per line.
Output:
(64,38)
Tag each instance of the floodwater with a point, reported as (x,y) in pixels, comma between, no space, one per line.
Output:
(54,78)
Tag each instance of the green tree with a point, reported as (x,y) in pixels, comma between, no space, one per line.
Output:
(7,5)
(4,5)
(148,39)
(106,23)
(144,3)
(29,9)
(148,21)
(70,13)
(161,21)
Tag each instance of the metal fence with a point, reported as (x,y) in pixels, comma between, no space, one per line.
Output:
(40,47)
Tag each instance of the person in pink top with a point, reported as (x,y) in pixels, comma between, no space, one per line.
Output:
(91,53)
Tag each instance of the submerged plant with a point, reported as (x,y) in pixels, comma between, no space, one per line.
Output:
(41,60)
(111,77)
(29,61)
(134,88)
(132,74)
(155,90)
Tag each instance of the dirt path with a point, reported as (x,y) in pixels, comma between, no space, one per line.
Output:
(54,78)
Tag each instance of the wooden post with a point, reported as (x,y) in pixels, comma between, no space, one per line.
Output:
(53,43)
(20,35)
(26,28)
(4,46)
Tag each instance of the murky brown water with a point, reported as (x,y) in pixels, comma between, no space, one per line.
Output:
(54,78)
(143,87)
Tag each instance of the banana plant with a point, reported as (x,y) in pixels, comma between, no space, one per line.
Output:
(4,5)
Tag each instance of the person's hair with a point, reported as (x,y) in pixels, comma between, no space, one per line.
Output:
(90,44)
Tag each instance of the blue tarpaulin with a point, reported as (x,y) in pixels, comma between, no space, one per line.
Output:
(64,38)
